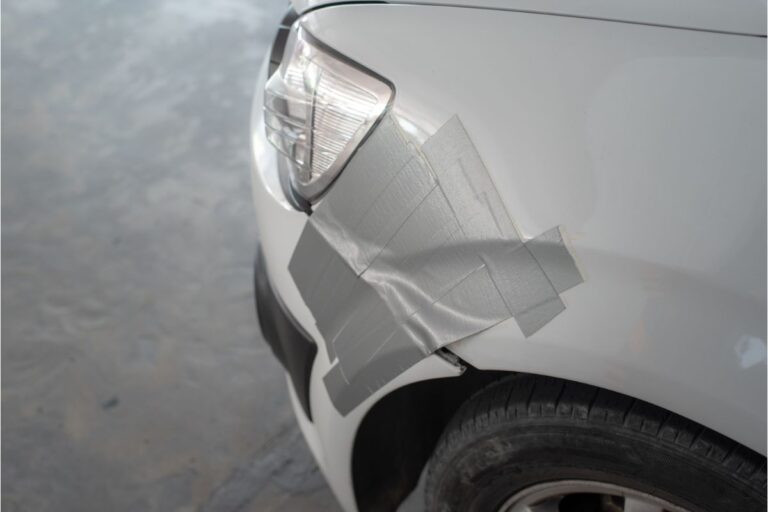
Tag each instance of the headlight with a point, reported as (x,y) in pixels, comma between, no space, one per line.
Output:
(318,108)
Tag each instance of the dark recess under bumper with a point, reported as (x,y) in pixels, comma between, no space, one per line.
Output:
(291,345)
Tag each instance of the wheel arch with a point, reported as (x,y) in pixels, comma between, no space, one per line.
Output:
(388,453)
(399,433)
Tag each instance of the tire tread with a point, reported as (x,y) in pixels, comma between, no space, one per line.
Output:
(520,397)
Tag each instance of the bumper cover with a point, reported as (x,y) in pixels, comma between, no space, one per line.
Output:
(291,345)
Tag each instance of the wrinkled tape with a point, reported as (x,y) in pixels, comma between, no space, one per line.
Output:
(413,249)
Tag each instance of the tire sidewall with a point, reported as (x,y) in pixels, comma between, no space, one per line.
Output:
(483,470)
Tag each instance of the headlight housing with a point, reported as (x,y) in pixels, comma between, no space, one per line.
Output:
(318,108)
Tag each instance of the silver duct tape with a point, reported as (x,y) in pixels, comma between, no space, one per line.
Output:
(389,211)
(380,337)
(320,273)
(471,306)
(412,250)
(424,260)
(520,279)
(468,186)
(555,259)
(348,393)
(367,330)
(365,208)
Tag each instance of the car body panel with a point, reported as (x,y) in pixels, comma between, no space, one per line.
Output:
(329,435)
(736,16)
(646,143)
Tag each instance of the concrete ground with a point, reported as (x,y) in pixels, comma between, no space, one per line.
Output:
(133,373)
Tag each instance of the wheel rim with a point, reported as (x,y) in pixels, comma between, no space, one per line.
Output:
(584,495)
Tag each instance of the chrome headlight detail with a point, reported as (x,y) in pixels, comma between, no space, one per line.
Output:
(318,108)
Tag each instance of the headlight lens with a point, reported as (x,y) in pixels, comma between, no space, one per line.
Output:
(318,108)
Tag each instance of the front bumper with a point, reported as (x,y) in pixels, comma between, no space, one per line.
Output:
(330,436)
(292,346)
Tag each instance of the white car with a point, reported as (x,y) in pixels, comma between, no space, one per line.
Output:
(520,246)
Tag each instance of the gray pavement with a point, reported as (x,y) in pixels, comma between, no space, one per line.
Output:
(133,374)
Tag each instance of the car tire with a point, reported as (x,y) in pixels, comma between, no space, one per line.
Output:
(526,433)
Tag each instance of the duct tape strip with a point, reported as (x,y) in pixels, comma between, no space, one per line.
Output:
(413,249)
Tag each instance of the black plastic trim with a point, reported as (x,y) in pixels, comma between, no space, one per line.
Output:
(292,346)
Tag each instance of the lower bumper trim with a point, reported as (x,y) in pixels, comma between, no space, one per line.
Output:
(291,345)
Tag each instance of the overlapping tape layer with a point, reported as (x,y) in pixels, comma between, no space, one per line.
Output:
(412,249)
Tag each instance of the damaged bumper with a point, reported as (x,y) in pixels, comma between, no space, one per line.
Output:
(292,346)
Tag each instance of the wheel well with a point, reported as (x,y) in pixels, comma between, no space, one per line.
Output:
(389,453)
